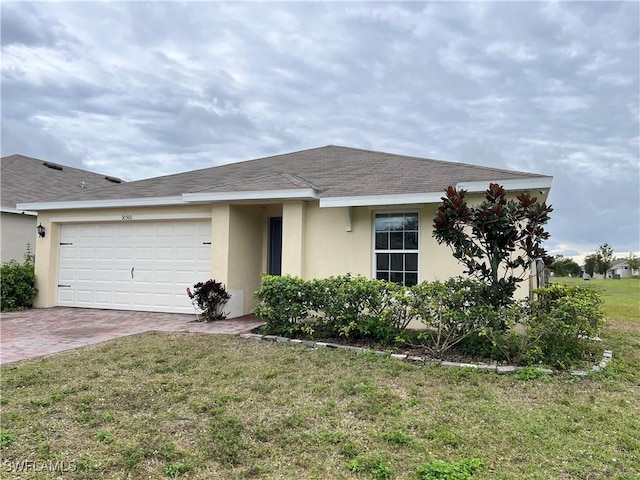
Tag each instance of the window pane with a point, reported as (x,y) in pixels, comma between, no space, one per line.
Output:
(411,221)
(396,222)
(397,261)
(383,276)
(382,261)
(382,240)
(411,262)
(411,240)
(396,242)
(410,279)
(382,222)
(395,277)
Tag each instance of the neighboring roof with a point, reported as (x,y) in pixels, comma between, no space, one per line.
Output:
(26,179)
(621,262)
(337,176)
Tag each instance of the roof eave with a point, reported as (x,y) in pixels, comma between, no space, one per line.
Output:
(184,199)
(511,184)
(110,203)
(379,200)
(286,194)
(17,212)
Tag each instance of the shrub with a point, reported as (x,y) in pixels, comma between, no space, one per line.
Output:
(339,307)
(451,311)
(284,303)
(565,321)
(17,283)
(511,340)
(355,307)
(211,297)
(554,329)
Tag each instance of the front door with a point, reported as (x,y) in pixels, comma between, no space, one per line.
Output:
(275,246)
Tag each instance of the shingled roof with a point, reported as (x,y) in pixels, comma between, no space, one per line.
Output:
(328,172)
(27,179)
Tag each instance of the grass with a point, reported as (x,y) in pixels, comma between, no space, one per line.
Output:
(198,406)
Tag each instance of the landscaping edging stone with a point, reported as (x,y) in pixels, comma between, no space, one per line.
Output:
(499,369)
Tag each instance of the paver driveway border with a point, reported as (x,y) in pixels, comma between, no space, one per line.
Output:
(43,331)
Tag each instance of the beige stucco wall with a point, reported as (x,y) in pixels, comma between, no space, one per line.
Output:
(16,231)
(294,232)
(316,243)
(332,250)
(246,223)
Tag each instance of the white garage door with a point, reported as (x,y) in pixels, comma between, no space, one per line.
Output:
(143,266)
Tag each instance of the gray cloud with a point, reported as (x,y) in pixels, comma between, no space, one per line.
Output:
(141,89)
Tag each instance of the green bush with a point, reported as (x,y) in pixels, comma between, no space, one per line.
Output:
(340,307)
(284,303)
(565,320)
(451,311)
(18,284)
(354,307)
(555,329)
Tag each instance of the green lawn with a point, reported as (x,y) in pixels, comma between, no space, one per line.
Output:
(197,406)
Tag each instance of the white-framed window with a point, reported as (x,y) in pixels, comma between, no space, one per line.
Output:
(396,240)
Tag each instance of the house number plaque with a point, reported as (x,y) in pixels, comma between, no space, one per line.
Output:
(127,216)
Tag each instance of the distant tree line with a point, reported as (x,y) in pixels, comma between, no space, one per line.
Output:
(565,267)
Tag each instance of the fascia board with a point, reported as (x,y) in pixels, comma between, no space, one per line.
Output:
(509,184)
(289,194)
(120,202)
(377,200)
(17,212)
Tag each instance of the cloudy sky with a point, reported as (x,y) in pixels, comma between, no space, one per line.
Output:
(140,89)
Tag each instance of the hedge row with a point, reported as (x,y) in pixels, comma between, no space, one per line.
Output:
(555,329)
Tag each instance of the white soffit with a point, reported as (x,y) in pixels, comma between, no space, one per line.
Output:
(17,212)
(378,200)
(288,194)
(119,202)
(510,184)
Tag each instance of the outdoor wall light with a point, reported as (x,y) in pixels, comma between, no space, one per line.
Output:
(41,230)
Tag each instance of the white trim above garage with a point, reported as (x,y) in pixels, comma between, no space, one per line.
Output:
(125,217)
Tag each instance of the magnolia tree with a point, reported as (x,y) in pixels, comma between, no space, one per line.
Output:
(496,240)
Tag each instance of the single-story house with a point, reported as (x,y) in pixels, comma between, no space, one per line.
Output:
(26,179)
(621,267)
(314,213)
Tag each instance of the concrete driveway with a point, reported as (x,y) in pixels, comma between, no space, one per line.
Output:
(43,331)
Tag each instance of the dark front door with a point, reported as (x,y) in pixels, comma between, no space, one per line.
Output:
(275,246)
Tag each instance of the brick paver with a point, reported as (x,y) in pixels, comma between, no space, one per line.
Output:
(43,331)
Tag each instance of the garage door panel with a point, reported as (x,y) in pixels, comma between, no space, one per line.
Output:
(84,296)
(65,295)
(166,257)
(103,297)
(144,253)
(105,252)
(104,275)
(85,275)
(66,275)
(124,252)
(163,253)
(164,277)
